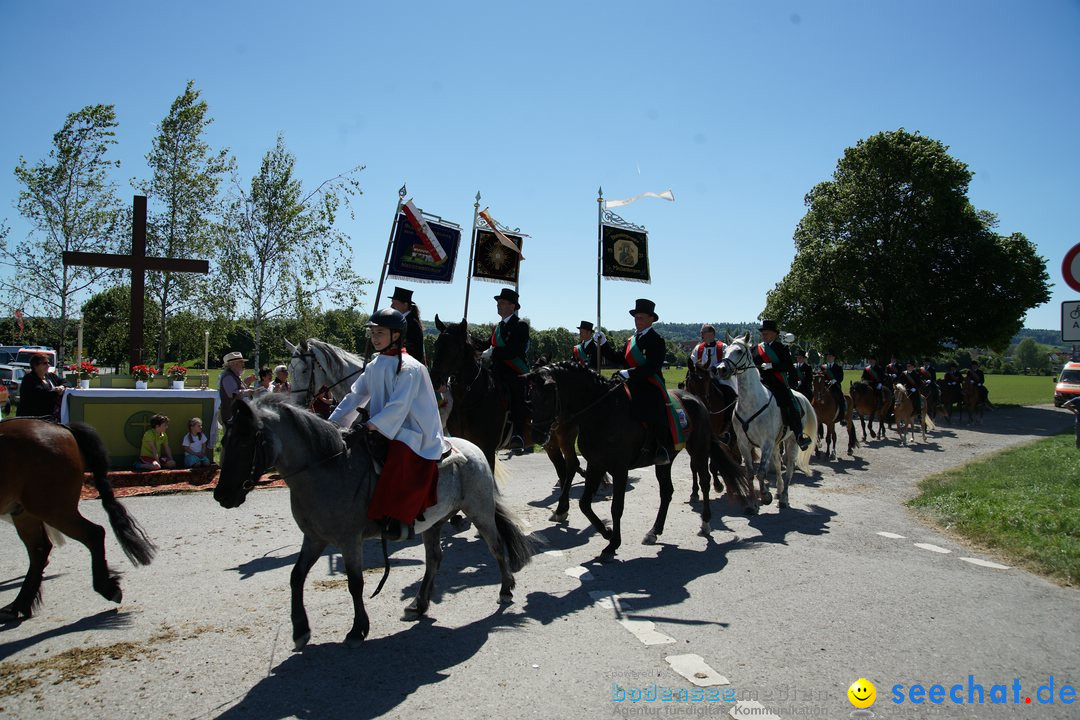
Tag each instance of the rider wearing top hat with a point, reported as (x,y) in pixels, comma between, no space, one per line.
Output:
(834,379)
(805,373)
(644,357)
(509,343)
(912,380)
(586,352)
(774,362)
(980,381)
(396,390)
(874,374)
(402,301)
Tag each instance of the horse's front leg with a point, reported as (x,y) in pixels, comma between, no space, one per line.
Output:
(768,447)
(663,480)
(592,482)
(784,475)
(747,452)
(433,554)
(32,532)
(310,550)
(618,478)
(555,455)
(354,571)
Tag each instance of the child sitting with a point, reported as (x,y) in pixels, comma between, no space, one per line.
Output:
(196,445)
(154,454)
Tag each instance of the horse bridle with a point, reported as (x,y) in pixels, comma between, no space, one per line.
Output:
(737,368)
(260,443)
(309,392)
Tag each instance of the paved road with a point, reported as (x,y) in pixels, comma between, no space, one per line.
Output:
(790,608)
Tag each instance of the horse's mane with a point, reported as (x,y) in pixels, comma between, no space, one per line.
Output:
(579,372)
(462,328)
(323,436)
(338,355)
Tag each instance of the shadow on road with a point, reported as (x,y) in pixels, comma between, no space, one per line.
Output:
(111,619)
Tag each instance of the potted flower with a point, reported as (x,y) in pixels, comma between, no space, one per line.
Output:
(142,374)
(177,373)
(83,372)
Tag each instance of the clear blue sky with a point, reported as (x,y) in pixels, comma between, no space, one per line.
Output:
(738,107)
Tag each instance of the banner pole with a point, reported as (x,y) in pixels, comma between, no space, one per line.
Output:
(472,249)
(599,261)
(389,244)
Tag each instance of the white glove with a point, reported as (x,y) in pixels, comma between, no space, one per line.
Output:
(600,338)
(486,355)
(879,386)
(766,366)
(624,374)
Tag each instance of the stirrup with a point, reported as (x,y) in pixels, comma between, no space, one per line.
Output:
(394,530)
(662,457)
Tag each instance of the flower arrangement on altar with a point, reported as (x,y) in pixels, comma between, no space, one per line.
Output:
(143,373)
(85,371)
(177,372)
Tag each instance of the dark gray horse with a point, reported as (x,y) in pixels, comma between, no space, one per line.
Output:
(330,487)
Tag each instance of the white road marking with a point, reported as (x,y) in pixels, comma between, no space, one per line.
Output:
(643,630)
(696,670)
(751,709)
(933,548)
(892,536)
(985,563)
(579,572)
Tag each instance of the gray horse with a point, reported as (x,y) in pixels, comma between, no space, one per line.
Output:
(330,486)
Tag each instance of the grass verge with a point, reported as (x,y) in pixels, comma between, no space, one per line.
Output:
(1023,503)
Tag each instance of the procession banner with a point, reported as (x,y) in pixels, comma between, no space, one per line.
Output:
(493,260)
(625,253)
(423,249)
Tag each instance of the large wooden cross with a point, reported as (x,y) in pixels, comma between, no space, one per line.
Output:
(138,263)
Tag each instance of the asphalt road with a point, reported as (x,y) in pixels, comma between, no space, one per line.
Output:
(790,608)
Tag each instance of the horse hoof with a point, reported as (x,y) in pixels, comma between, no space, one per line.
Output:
(10,615)
(558,517)
(607,556)
(694,499)
(705,530)
(300,641)
(784,504)
(506,598)
(649,539)
(751,511)
(354,640)
(411,614)
(459,523)
(116,595)
(766,499)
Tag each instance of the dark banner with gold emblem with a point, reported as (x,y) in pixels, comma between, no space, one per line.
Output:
(626,254)
(493,261)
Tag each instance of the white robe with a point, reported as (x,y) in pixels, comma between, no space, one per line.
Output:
(710,360)
(401,405)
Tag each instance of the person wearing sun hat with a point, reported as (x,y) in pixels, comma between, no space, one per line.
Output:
(773,360)
(643,360)
(231,387)
(509,343)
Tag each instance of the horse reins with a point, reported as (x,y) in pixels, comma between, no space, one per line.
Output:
(310,391)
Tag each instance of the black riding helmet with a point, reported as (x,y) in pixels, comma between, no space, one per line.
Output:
(387,318)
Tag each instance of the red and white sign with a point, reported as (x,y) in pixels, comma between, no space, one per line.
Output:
(1070,268)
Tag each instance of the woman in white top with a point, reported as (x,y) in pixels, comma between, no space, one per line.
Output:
(396,390)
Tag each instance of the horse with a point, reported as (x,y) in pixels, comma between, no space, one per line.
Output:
(759,422)
(868,402)
(314,365)
(41,477)
(613,441)
(904,412)
(973,401)
(828,413)
(699,381)
(952,398)
(330,486)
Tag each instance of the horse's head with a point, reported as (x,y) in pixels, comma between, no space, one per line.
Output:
(301,372)
(453,351)
(248,451)
(544,397)
(737,357)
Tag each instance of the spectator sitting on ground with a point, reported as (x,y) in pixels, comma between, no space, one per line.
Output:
(154,454)
(196,445)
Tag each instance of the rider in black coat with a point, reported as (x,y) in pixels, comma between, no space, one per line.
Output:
(39,396)
(834,379)
(401,301)
(774,361)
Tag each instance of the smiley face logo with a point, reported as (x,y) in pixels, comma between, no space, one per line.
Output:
(862,693)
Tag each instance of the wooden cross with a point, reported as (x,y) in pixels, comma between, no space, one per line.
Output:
(138,263)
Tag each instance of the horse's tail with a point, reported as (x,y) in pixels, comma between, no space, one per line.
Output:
(734,473)
(500,473)
(133,540)
(810,426)
(519,550)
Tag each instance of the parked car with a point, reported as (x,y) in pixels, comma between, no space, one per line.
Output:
(11,378)
(1068,384)
(28,351)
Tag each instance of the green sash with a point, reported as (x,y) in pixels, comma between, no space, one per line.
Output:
(518,365)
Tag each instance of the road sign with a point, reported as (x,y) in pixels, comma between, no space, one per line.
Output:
(1070,321)
(1070,268)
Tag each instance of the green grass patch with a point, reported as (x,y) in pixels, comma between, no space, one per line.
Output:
(1023,503)
(1020,389)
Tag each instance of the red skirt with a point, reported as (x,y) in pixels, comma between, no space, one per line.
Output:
(407,486)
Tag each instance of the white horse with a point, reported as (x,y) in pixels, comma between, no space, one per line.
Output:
(759,423)
(315,365)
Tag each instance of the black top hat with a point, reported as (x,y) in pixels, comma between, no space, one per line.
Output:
(800,353)
(585,325)
(769,325)
(830,352)
(645,306)
(402,294)
(508,294)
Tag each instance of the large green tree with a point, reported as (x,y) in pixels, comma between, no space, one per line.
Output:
(70,203)
(280,250)
(183,196)
(892,256)
(107,322)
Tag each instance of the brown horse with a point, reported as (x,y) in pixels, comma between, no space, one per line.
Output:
(41,477)
(952,398)
(828,414)
(904,412)
(868,402)
(973,400)
(721,406)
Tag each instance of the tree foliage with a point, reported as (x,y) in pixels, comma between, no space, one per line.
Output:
(182,193)
(106,323)
(71,204)
(279,250)
(892,256)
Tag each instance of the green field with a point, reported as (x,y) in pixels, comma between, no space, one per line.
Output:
(1023,503)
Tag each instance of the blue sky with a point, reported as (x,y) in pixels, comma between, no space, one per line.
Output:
(739,108)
